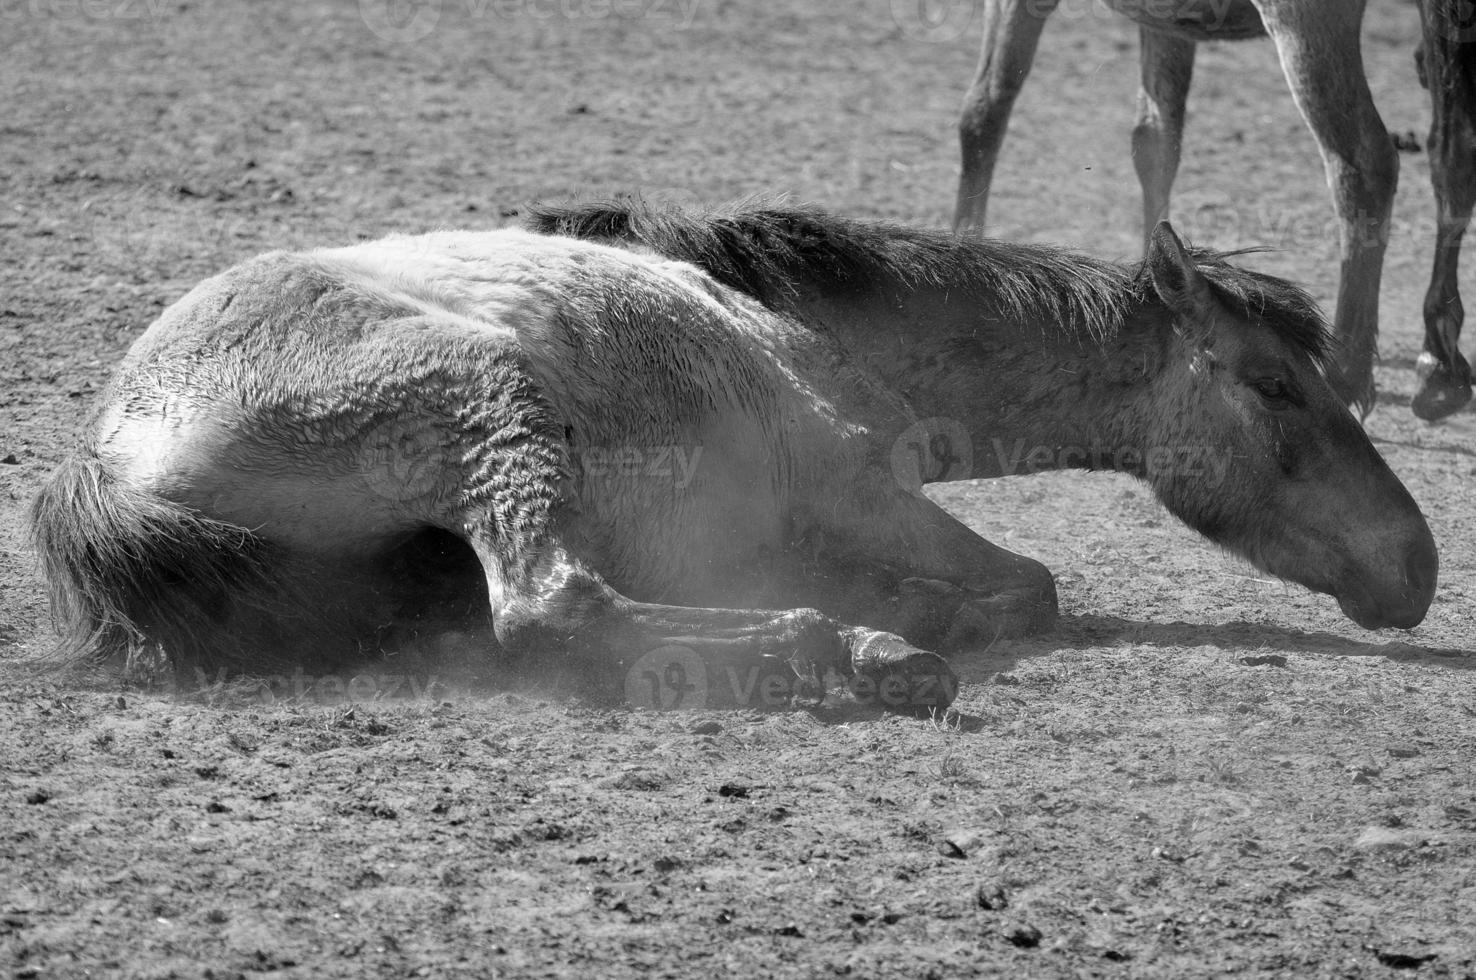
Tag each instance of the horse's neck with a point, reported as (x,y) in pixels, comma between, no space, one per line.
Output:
(1031,396)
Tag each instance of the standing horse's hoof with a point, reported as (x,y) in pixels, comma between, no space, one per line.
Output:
(1443,391)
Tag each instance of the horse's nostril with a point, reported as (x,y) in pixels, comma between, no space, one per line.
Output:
(1421,568)
(1402,603)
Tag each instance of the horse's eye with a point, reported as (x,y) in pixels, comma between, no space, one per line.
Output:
(1271,389)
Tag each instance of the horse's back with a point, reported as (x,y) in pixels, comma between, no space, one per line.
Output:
(339,398)
(312,395)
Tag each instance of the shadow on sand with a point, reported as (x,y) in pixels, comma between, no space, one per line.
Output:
(982,665)
(1083,632)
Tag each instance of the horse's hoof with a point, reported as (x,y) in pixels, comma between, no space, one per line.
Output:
(1441,392)
(1435,401)
(893,674)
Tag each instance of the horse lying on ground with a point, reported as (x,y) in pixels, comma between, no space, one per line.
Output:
(628,430)
(1318,43)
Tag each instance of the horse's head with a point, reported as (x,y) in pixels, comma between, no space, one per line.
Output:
(1290,480)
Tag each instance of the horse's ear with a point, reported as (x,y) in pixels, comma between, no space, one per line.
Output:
(1176,279)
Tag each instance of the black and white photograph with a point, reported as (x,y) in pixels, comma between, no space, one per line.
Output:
(691,488)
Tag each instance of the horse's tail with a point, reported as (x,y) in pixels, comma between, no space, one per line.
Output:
(132,574)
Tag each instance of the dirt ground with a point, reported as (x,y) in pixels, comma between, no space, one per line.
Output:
(1200,773)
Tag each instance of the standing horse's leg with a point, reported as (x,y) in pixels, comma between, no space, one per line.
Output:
(1011,32)
(1445,374)
(1166,64)
(1319,48)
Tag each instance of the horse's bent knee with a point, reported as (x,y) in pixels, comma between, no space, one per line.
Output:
(568,617)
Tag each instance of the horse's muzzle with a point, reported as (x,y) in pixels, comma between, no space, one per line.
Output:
(1402,601)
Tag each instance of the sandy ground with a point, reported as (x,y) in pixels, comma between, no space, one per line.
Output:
(1200,773)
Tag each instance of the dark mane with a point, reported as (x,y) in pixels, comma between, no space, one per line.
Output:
(772,252)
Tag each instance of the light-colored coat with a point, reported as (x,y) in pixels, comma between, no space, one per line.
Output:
(664,431)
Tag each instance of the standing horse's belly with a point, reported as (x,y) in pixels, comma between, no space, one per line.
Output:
(1197,20)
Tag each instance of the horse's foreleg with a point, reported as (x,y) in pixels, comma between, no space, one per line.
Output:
(547,603)
(1011,32)
(1319,49)
(1445,375)
(733,643)
(1166,65)
(949,586)
(974,590)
